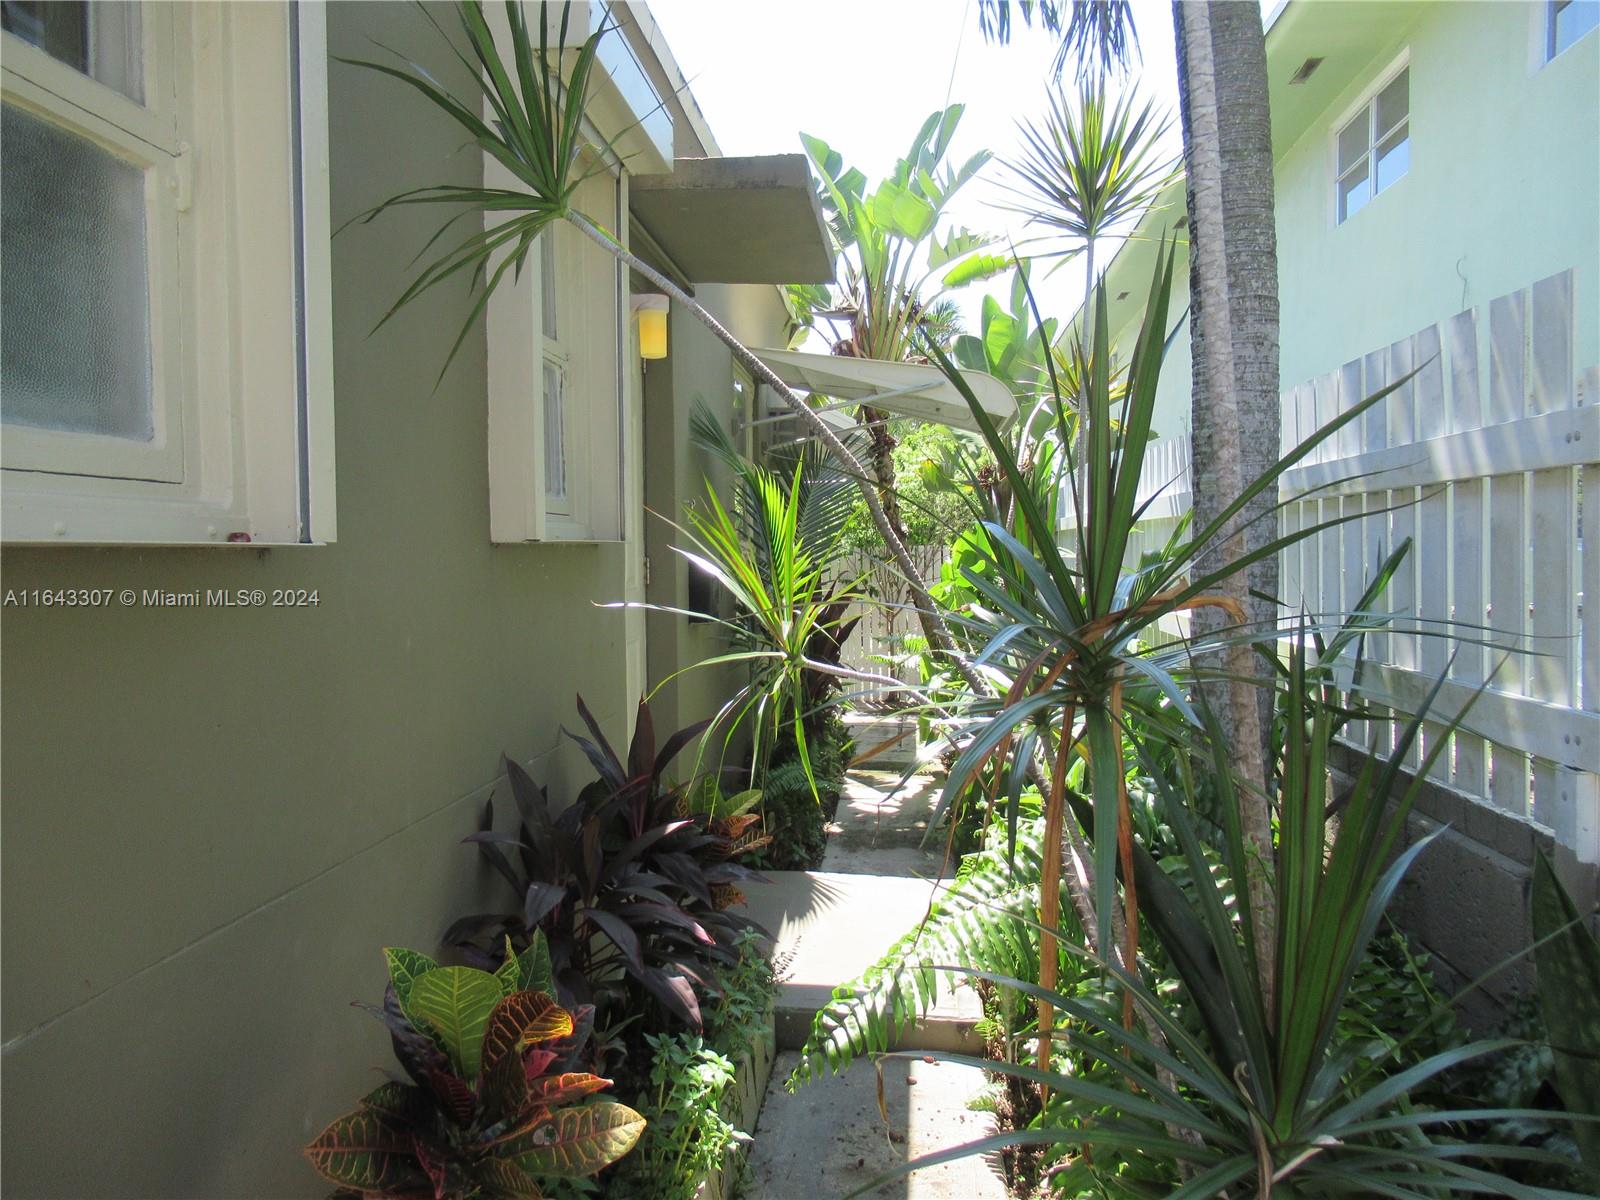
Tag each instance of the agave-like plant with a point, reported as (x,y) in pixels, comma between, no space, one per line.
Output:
(1271,1095)
(1060,626)
(498,1101)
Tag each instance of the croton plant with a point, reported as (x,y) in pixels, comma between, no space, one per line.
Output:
(497,1101)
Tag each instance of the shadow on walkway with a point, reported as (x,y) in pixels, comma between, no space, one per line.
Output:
(829,1138)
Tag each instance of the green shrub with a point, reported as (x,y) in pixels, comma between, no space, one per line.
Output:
(688,1133)
(795,818)
(688,1102)
(742,1016)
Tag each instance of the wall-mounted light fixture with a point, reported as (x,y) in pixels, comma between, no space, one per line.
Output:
(652,313)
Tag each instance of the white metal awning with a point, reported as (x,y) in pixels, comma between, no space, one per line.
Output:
(905,389)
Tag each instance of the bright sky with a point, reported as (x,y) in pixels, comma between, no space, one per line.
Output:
(864,75)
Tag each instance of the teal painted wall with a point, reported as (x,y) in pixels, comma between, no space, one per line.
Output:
(1503,190)
(215,819)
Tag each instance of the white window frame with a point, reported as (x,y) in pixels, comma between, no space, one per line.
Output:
(1548,51)
(1368,102)
(744,407)
(240,289)
(591,350)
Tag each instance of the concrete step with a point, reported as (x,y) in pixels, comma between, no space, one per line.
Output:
(880,826)
(884,741)
(828,927)
(830,1137)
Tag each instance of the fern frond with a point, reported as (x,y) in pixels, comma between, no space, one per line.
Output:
(980,921)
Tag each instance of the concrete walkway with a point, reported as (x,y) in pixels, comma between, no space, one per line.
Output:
(880,824)
(829,1138)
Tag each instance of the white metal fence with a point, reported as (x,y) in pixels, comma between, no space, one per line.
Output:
(1484,459)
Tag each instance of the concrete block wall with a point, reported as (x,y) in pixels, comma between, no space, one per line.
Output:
(1467,899)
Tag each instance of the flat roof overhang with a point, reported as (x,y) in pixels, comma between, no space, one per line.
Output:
(905,389)
(737,220)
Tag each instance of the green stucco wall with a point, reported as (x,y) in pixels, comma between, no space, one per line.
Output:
(215,819)
(1503,190)
(698,369)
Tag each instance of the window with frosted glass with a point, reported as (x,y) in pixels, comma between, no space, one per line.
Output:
(555,380)
(547,285)
(555,457)
(1374,148)
(75,310)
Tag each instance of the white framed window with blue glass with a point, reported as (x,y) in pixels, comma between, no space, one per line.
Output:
(1566,22)
(1372,143)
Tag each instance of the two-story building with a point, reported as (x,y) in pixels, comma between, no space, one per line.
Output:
(1438,211)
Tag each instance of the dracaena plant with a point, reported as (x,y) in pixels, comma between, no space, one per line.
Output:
(496,1104)
(1090,164)
(628,884)
(775,547)
(1268,1094)
(1060,627)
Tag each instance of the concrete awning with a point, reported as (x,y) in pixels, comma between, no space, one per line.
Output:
(905,389)
(737,220)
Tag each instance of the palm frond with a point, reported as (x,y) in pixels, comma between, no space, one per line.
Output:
(535,134)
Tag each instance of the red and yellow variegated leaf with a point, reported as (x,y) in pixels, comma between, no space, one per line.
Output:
(504,1180)
(573,1142)
(433,1165)
(445,1167)
(519,1021)
(395,1099)
(551,1090)
(455,1097)
(369,1151)
(733,828)
(536,1062)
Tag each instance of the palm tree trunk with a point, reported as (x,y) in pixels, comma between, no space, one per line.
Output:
(1233,286)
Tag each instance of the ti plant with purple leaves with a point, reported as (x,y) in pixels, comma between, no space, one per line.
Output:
(629,884)
(496,1104)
